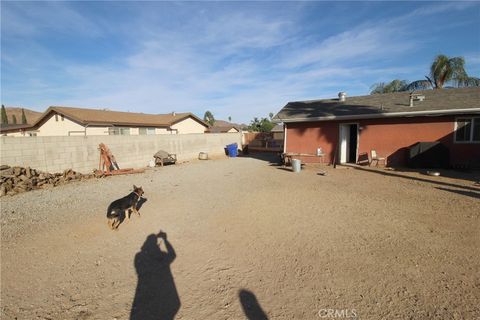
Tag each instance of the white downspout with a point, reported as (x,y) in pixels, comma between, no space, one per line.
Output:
(284,137)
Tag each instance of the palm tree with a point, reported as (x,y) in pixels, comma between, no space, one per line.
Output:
(394,86)
(208,118)
(444,70)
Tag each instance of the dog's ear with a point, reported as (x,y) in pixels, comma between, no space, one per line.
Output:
(134,187)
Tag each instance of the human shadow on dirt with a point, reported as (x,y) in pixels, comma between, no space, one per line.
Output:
(156,296)
(250,306)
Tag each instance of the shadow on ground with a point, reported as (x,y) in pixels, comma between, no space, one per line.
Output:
(269,157)
(462,192)
(250,306)
(156,295)
(431,180)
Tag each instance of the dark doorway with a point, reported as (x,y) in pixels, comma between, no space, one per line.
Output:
(353,143)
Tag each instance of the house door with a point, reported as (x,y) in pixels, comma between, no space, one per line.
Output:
(348,140)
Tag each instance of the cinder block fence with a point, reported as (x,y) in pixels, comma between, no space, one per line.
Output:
(55,154)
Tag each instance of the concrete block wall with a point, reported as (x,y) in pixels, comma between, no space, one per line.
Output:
(80,153)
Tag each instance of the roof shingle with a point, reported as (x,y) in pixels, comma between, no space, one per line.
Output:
(383,105)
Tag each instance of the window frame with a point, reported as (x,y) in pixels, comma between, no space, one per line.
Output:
(148,131)
(473,119)
(119,131)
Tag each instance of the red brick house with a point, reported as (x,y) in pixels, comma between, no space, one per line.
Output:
(348,128)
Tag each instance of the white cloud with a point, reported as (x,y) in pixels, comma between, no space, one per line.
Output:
(33,18)
(234,64)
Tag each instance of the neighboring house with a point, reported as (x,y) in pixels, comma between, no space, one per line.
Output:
(349,128)
(223,129)
(16,130)
(65,121)
(277,132)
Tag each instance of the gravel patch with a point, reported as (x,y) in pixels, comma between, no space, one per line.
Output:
(244,238)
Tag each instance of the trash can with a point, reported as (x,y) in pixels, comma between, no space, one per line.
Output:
(232,150)
(296,165)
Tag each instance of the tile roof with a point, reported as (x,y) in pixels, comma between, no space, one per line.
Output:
(106,117)
(439,101)
(219,129)
(5,128)
(277,128)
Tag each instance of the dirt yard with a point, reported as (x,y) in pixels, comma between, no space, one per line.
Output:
(246,240)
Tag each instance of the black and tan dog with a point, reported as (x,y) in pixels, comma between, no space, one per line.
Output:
(120,209)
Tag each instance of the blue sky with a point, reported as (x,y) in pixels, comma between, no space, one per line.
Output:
(238,59)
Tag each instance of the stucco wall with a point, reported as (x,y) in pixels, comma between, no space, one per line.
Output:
(162,131)
(389,137)
(52,127)
(189,126)
(56,154)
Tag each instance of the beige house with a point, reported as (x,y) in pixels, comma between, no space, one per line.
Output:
(66,121)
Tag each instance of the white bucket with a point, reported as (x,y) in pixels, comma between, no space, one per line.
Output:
(296,165)
(203,156)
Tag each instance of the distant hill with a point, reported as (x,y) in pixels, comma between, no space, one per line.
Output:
(31,115)
(223,123)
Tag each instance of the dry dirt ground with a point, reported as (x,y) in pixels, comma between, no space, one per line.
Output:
(246,239)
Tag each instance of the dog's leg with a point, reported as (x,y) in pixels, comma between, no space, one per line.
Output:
(134,209)
(116,224)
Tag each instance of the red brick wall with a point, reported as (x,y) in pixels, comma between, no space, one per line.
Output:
(389,137)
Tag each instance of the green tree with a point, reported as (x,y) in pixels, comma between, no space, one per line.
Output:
(229,119)
(24,117)
(445,70)
(394,86)
(4,115)
(14,119)
(208,118)
(261,125)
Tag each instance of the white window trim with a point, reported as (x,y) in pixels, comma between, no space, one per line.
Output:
(471,130)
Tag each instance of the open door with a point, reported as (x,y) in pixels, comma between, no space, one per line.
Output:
(348,139)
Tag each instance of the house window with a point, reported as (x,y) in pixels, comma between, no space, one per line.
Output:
(467,130)
(62,117)
(115,131)
(147,131)
(56,117)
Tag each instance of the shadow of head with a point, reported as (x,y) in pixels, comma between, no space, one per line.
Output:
(250,306)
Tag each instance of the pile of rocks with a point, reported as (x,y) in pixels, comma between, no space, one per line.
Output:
(14,180)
